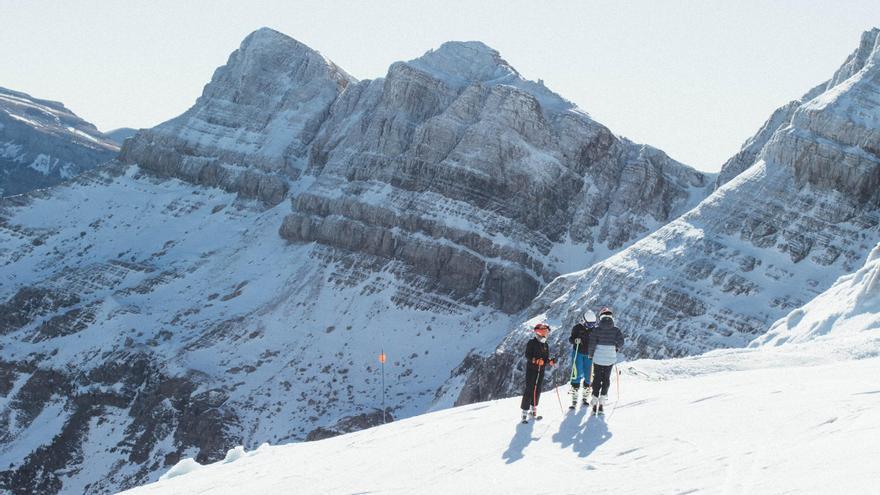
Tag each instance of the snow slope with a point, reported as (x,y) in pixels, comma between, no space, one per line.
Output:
(789,429)
(795,416)
(149,318)
(850,309)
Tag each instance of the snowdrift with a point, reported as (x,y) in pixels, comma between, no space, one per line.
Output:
(848,309)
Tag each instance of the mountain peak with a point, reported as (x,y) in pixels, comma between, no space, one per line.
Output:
(869,46)
(268,36)
(464,62)
(267,41)
(50,117)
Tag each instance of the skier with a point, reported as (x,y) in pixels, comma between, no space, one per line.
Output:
(537,356)
(605,342)
(580,359)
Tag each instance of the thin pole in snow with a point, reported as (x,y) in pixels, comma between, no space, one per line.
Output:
(560,400)
(382,360)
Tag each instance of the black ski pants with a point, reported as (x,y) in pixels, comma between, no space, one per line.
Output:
(601,379)
(534,380)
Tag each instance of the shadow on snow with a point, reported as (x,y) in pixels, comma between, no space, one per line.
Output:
(518,443)
(582,438)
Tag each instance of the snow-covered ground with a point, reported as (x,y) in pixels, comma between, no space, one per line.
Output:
(778,417)
(802,429)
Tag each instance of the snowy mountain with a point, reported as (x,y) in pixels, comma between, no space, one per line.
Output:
(796,415)
(849,311)
(232,278)
(43,143)
(783,115)
(480,184)
(764,243)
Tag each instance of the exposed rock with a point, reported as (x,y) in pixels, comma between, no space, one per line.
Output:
(162,409)
(42,143)
(434,202)
(250,130)
(476,174)
(766,242)
(350,424)
(30,303)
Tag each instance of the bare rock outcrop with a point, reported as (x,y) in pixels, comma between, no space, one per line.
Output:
(775,234)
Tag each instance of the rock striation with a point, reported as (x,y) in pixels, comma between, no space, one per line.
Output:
(42,143)
(452,164)
(773,236)
(231,278)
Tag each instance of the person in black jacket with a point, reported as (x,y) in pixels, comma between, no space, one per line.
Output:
(537,357)
(605,342)
(581,366)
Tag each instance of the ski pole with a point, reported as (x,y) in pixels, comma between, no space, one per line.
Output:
(535,391)
(617,386)
(560,400)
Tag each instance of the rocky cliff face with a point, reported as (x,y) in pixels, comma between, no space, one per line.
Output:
(250,130)
(234,276)
(452,165)
(42,143)
(766,242)
(748,155)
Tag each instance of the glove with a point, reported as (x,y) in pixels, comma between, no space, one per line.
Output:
(539,362)
(577,340)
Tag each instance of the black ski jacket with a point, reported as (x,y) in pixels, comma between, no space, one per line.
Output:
(582,332)
(535,349)
(606,333)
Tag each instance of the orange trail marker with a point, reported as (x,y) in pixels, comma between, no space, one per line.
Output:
(382,360)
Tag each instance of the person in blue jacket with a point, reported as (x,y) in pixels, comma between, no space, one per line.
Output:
(581,367)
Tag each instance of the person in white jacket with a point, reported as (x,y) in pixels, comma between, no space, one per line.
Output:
(606,340)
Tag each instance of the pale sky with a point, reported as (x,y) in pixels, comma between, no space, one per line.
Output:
(694,78)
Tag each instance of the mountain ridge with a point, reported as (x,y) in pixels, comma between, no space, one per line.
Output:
(768,240)
(43,143)
(231,278)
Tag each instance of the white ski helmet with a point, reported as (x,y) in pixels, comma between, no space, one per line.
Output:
(588,317)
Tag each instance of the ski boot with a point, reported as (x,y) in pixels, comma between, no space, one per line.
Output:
(574,396)
(525,417)
(534,414)
(594,402)
(588,392)
(602,405)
